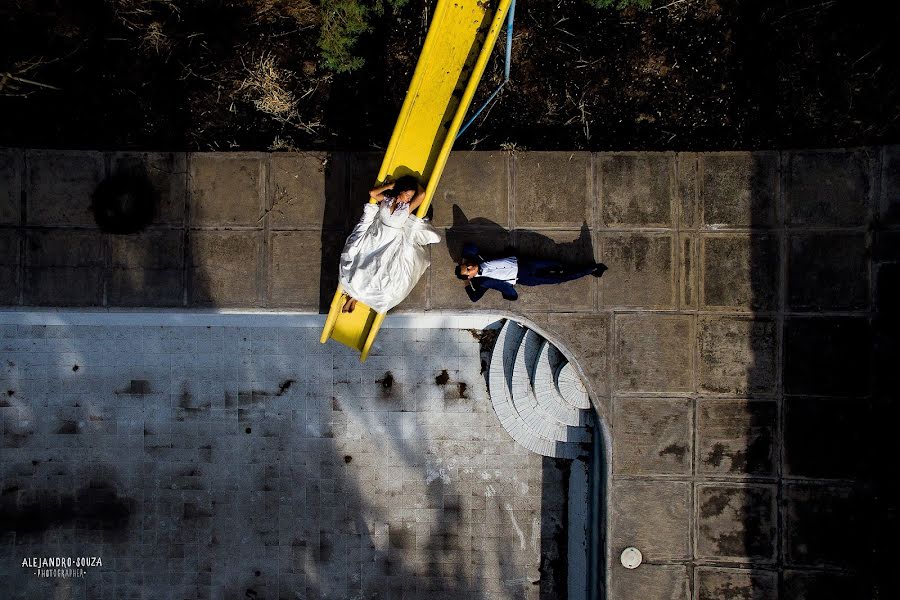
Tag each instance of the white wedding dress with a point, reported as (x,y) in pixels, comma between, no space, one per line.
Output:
(384,257)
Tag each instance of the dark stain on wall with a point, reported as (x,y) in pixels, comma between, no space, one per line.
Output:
(284,386)
(387,382)
(136,387)
(676,450)
(68,427)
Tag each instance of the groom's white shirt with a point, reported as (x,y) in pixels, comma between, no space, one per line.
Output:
(502,269)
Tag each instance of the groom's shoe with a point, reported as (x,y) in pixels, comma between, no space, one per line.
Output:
(599,270)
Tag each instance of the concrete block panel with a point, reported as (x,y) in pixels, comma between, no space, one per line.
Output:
(9,266)
(223,267)
(653,353)
(653,436)
(822,585)
(886,347)
(689,271)
(887,286)
(718,583)
(552,189)
(649,582)
(309,190)
(737,355)
(295,275)
(637,189)
(653,516)
(822,525)
(575,246)
(828,356)
(59,186)
(64,268)
(739,189)
(476,182)
(828,188)
(587,338)
(12,167)
(687,164)
(890,186)
(226,189)
(886,247)
(739,272)
(828,271)
(737,522)
(641,269)
(811,428)
(736,437)
(364,168)
(146,269)
(167,174)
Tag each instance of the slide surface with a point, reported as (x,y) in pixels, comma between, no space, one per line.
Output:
(459,42)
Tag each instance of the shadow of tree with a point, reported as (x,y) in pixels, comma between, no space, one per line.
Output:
(821,391)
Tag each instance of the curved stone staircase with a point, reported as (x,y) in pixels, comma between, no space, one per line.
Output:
(537,395)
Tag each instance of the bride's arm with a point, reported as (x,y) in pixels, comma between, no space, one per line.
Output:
(377,193)
(417,199)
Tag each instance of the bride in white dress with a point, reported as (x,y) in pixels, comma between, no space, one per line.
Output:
(384,257)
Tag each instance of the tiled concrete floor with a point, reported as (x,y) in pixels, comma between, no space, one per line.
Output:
(253,462)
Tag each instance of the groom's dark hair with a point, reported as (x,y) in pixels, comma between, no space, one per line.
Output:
(462,263)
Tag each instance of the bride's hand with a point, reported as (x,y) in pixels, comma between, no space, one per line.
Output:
(377,193)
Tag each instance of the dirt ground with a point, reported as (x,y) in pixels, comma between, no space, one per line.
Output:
(247,75)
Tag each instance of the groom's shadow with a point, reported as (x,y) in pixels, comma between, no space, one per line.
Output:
(494,240)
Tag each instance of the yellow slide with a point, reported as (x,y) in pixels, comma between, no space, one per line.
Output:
(456,50)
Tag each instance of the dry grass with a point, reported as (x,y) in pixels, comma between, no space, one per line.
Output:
(265,87)
(512,147)
(268,88)
(301,11)
(14,84)
(280,144)
(146,18)
(154,37)
(132,11)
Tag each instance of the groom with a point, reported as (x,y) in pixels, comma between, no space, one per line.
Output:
(503,273)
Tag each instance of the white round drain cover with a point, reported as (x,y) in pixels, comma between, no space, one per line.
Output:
(631,558)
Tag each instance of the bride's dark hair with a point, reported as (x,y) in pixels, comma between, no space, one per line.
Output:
(403,184)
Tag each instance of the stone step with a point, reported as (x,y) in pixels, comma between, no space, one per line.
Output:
(571,387)
(543,381)
(526,429)
(551,406)
(526,403)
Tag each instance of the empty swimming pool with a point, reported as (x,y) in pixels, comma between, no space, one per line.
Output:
(207,455)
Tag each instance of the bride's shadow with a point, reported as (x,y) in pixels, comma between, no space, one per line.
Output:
(494,240)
